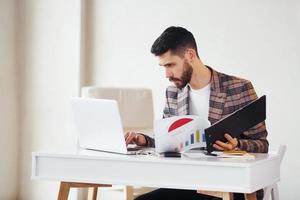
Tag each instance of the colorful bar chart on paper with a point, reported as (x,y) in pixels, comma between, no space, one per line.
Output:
(194,138)
(180,133)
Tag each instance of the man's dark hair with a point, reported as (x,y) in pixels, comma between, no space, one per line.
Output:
(175,39)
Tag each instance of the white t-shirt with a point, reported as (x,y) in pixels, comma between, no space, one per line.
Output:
(199,101)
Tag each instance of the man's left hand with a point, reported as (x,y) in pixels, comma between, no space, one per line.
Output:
(230,145)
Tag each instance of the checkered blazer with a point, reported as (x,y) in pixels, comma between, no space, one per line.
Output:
(228,94)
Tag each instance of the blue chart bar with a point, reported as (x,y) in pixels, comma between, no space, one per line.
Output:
(187,143)
(203,137)
(192,138)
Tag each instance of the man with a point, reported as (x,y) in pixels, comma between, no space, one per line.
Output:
(199,90)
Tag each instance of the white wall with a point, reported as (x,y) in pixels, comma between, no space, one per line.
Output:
(8,102)
(49,59)
(40,70)
(254,39)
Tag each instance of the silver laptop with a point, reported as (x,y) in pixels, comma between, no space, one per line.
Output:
(99,125)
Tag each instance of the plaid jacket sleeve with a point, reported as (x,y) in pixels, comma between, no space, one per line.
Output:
(255,139)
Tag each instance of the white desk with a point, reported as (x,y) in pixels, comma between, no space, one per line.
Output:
(210,174)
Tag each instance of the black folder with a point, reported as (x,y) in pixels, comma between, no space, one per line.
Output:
(236,123)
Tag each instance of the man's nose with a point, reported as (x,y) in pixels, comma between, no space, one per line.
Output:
(168,73)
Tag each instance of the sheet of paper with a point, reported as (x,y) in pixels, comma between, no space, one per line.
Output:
(180,133)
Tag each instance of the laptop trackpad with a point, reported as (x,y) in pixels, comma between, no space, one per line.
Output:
(133,147)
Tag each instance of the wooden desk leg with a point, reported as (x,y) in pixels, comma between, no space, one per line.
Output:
(63,191)
(251,196)
(92,193)
(95,193)
(128,192)
(227,196)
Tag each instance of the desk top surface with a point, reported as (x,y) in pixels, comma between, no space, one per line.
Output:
(207,160)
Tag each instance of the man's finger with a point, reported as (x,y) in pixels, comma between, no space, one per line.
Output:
(223,145)
(231,140)
(218,147)
(129,139)
(126,135)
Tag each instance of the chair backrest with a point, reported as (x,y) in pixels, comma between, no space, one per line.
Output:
(281,151)
(135,105)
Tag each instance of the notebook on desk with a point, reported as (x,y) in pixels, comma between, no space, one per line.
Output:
(237,122)
(99,126)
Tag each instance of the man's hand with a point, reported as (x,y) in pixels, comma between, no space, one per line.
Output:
(135,138)
(230,145)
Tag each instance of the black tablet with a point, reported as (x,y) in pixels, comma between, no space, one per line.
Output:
(237,122)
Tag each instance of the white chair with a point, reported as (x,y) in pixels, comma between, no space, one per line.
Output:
(272,190)
(136,110)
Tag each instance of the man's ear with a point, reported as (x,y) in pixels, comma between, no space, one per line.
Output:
(190,55)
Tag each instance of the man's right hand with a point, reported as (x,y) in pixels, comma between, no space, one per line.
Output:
(135,138)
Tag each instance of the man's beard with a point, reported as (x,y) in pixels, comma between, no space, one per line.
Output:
(185,77)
